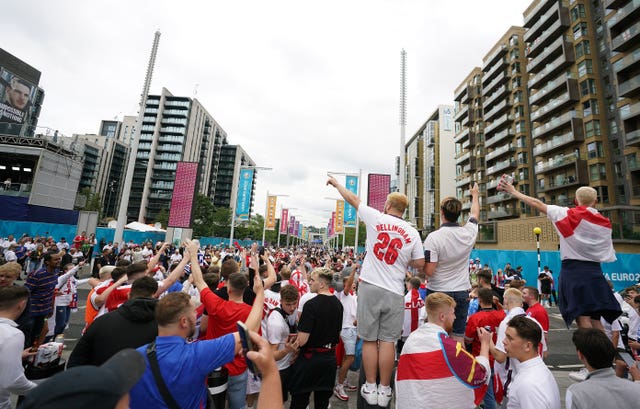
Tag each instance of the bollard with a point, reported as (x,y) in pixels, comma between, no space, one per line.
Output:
(217,382)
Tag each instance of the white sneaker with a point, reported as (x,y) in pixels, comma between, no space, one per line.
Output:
(371,397)
(384,396)
(580,375)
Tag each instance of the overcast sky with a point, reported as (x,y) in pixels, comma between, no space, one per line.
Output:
(304,87)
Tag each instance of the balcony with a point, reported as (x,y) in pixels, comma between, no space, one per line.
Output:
(559,45)
(469,167)
(627,39)
(553,14)
(629,111)
(497,124)
(463,181)
(534,14)
(497,94)
(499,52)
(165,166)
(557,141)
(489,75)
(160,195)
(500,166)
(573,117)
(629,88)
(624,15)
(552,68)
(466,205)
(557,162)
(500,151)
(628,62)
(633,163)
(614,4)
(175,112)
(503,213)
(503,77)
(497,109)
(463,158)
(563,182)
(566,79)
(498,137)
(461,113)
(464,134)
(171,139)
(632,138)
(547,36)
(500,197)
(555,105)
(462,92)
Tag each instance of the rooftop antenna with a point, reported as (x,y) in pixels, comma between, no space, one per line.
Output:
(126,189)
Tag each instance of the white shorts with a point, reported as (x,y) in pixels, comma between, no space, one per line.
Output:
(349,337)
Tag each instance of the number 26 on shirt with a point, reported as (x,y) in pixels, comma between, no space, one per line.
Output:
(386,249)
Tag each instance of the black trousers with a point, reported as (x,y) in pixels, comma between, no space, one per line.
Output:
(320,400)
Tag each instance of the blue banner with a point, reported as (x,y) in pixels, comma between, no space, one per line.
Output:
(351,184)
(623,272)
(243,202)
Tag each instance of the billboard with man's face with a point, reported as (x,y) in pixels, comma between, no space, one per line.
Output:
(16,96)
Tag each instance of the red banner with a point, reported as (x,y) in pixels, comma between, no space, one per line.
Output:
(284,221)
(379,187)
(184,191)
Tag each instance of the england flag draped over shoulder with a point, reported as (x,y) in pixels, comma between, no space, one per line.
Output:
(585,234)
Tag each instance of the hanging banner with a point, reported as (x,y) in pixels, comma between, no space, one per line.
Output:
(349,218)
(296,228)
(245,188)
(184,192)
(339,216)
(271,213)
(292,224)
(284,221)
(332,224)
(379,187)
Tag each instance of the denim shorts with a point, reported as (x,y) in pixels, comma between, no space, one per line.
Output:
(462,308)
(349,337)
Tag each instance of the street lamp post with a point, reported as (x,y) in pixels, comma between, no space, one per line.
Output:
(235,199)
(266,211)
(110,190)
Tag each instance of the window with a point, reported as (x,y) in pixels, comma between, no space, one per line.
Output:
(519,111)
(515,67)
(585,67)
(520,127)
(524,174)
(580,30)
(587,87)
(516,81)
(613,127)
(540,183)
(594,150)
(603,194)
(517,97)
(524,188)
(521,142)
(583,48)
(522,158)
(592,128)
(577,12)
(590,107)
(514,53)
(597,172)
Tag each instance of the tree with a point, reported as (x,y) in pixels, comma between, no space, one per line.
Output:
(93,201)
(221,222)
(203,216)
(163,218)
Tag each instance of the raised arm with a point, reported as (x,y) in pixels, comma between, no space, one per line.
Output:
(173,277)
(271,272)
(475,202)
(348,195)
(255,316)
(102,298)
(508,187)
(198,280)
(349,283)
(154,260)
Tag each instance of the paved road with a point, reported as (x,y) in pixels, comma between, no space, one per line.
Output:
(562,357)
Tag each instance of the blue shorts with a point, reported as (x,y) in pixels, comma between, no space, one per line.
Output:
(462,308)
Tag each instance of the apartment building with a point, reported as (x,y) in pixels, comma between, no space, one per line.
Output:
(507,149)
(232,159)
(174,129)
(623,29)
(469,140)
(430,174)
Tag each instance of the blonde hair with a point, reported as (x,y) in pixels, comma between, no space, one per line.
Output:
(105,271)
(324,273)
(436,301)
(586,196)
(397,201)
(11,267)
(514,295)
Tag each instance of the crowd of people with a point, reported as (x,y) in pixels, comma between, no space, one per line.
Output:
(278,324)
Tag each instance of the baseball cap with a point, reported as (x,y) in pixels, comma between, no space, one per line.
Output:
(94,387)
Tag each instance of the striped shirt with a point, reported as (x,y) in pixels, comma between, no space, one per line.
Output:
(42,285)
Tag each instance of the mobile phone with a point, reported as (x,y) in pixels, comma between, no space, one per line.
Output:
(247,346)
(627,358)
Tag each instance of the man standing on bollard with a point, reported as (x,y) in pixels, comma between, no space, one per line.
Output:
(585,242)
(392,246)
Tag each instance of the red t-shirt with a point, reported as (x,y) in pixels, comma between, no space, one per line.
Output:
(483,318)
(118,297)
(223,316)
(538,312)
